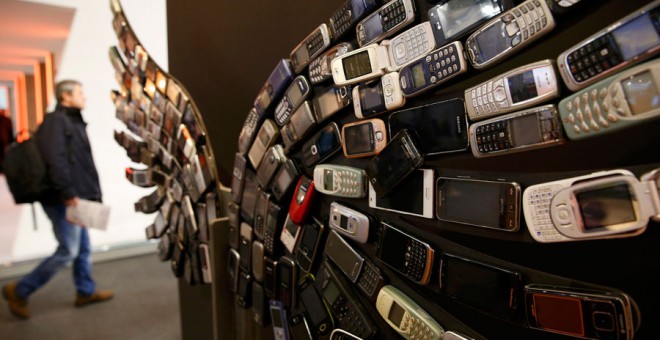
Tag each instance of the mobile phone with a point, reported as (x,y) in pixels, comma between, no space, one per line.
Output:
(530,129)
(270,277)
(397,160)
(490,204)
(630,40)
(302,121)
(245,248)
(320,69)
(165,248)
(413,197)
(311,239)
(150,203)
(299,327)
(517,89)
(261,212)
(233,271)
(508,33)
(248,131)
(485,287)
(172,119)
(267,136)
(316,307)
(368,62)
(435,68)
(343,255)
(322,145)
(249,196)
(453,19)
(290,234)
(350,222)
(205,263)
(329,101)
(233,215)
(158,228)
(410,45)
(363,138)
(301,200)
(370,280)
(443,129)
(258,260)
(259,313)
(275,85)
(625,99)
(405,254)
(295,95)
(271,162)
(406,317)
(340,180)
(287,274)
(286,176)
(343,19)
(378,96)
(385,21)
(315,43)
(274,224)
(238,176)
(280,323)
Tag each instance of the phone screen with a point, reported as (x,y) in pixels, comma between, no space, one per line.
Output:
(359,139)
(458,15)
(558,313)
(606,206)
(373,27)
(308,241)
(326,103)
(396,314)
(371,98)
(313,304)
(636,36)
(331,292)
(249,196)
(641,93)
(406,197)
(472,202)
(357,65)
(525,130)
(276,317)
(328,141)
(492,41)
(393,247)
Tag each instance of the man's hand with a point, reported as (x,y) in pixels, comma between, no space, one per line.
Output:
(73,202)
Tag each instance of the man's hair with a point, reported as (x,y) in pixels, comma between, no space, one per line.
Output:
(65,86)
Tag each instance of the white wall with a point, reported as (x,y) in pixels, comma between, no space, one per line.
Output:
(85,58)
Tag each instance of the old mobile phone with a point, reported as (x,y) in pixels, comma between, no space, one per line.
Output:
(413,197)
(435,68)
(249,196)
(508,33)
(275,85)
(343,19)
(410,45)
(320,69)
(490,204)
(274,225)
(271,162)
(233,270)
(286,176)
(443,129)
(259,313)
(245,247)
(237,178)
(406,317)
(350,222)
(453,19)
(302,121)
(270,277)
(301,202)
(293,97)
(315,306)
(234,215)
(581,313)
(340,180)
(397,160)
(363,138)
(625,99)
(258,260)
(631,40)
(378,96)
(530,129)
(280,323)
(287,274)
(348,260)
(322,145)
(248,131)
(385,21)
(299,327)
(485,287)
(261,212)
(267,136)
(205,263)
(405,254)
(290,235)
(315,43)
(368,62)
(329,101)
(311,239)
(517,89)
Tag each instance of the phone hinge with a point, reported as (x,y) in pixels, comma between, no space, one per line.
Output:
(383,58)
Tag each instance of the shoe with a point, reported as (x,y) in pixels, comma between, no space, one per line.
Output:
(17,306)
(97,296)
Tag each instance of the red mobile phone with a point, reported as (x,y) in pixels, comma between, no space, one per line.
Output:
(301,202)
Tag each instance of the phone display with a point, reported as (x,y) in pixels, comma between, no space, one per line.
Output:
(329,101)
(311,238)
(453,19)
(290,235)
(406,254)
(373,98)
(322,145)
(245,248)
(286,176)
(413,197)
(384,22)
(397,160)
(363,138)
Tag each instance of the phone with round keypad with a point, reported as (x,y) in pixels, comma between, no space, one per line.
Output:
(406,316)
(340,180)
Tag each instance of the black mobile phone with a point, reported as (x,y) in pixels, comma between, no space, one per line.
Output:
(284,179)
(406,254)
(259,305)
(453,19)
(397,160)
(270,277)
(273,229)
(287,275)
(343,255)
(308,247)
(322,145)
(249,196)
(244,291)
(485,287)
(315,306)
(299,327)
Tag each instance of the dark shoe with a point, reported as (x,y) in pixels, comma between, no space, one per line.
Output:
(17,306)
(98,296)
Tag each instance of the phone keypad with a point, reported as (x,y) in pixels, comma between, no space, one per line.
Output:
(269,241)
(417,328)
(349,183)
(525,20)
(415,260)
(490,97)
(315,43)
(595,110)
(443,63)
(349,319)
(541,225)
(282,112)
(393,15)
(247,132)
(370,280)
(342,20)
(593,58)
(493,137)
(410,45)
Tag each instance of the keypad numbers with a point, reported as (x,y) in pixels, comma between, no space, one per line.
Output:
(595,110)
(410,45)
(342,20)
(443,63)
(415,260)
(541,225)
(416,328)
(393,15)
(525,21)
(349,183)
(593,58)
(490,97)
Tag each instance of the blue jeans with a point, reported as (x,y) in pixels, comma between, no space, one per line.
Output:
(73,244)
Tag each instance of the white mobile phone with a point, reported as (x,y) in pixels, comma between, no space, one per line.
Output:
(340,180)
(290,233)
(376,97)
(410,45)
(349,222)
(359,65)
(406,316)
(414,196)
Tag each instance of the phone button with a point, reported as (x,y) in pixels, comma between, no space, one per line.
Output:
(563,214)
(379,135)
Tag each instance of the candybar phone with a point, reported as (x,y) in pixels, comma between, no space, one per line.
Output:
(270,163)
(257,260)
(290,235)
(248,131)
(261,213)
(287,274)
(234,215)
(274,224)
(349,222)
(322,145)
(406,317)
(485,287)
(626,99)
(343,255)
(378,96)
(581,313)
(327,102)
(301,200)
(439,128)
(363,138)
(435,68)
(233,270)
(315,43)
(517,89)
(302,121)
(249,196)
(414,196)
(453,19)
(237,178)
(205,263)
(488,204)
(284,179)
(631,40)
(270,277)
(320,69)
(295,95)
(245,247)
(259,313)
(340,180)
(316,307)
(385,21)
(508,33)
(360,65)
(397,160)
(311,239)
(275,85)
(530,129)
(267,136)
(345,17)
(280,323)
(410,45)
(405,254)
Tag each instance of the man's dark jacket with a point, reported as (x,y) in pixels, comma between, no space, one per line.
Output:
(64,146)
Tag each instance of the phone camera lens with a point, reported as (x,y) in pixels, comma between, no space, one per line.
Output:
(603,321)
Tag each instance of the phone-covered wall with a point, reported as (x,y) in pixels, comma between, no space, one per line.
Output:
(473,239)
